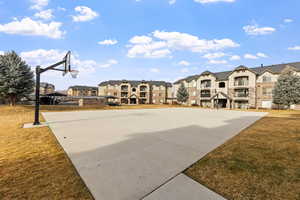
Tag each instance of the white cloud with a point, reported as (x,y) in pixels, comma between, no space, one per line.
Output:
(256,30)
(217,62)
(262,55)
(171,2)
(84,14)
(235,57)
(39,4)
(1,52)
(150,50)
(108,42)
(295,48)
(154,70)
(140,40)
(61,9)
(288,20)
(45,14)
(184,63)
(214,55)
(109,63)
(213,1)
(45,58)
(162,43)
(27,26)
(254,57)
(250,56)
(181,41)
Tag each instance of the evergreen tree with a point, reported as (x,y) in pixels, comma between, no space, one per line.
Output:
(16,78)
(182,94)
(287,90)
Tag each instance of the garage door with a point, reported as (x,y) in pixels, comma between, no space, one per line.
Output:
(267,104)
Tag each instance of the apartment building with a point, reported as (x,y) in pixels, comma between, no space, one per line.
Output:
(242,87)
(81,91)
(137,92)
(46,88)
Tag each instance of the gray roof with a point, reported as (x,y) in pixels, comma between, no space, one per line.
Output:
(46,85)
(81,87)
(222,76)
(135,83)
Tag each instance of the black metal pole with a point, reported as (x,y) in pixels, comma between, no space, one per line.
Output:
(37,97)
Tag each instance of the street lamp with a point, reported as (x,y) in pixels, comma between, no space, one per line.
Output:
(38,71)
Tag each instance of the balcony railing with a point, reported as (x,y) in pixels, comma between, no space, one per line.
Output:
(241,95)
(143,94)
(143,89)
(241,83)
(124,94)
(205,95)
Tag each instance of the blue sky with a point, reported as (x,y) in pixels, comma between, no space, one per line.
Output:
(150,39)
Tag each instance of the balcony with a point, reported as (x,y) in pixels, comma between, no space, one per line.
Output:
(205,94)
(241,93)
(143,88)
(241,81)
(124,94)
(124,88)
(206,84)
(143,95)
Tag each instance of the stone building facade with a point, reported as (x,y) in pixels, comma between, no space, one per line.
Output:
(46,88)
(82,91)
(242,87)
(136,92)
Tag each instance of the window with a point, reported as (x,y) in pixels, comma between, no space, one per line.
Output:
(222,85)
(267,79)
(206,84)
(133,89)
(124,88)
(241,81)
(115,94)
(267,91)
(143,88)
(205,93)
(241,93)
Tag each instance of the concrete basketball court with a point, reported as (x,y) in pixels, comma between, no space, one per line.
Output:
(135,154)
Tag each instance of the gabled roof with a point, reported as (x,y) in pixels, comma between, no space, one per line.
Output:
(46,85)
(81,87)
(225,95)
(135,83)
(241,67)
(222,76)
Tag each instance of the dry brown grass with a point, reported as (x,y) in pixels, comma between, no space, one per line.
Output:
(32,163)
(262,162)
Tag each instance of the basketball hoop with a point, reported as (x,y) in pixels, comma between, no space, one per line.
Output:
(74,73)
(67,60)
